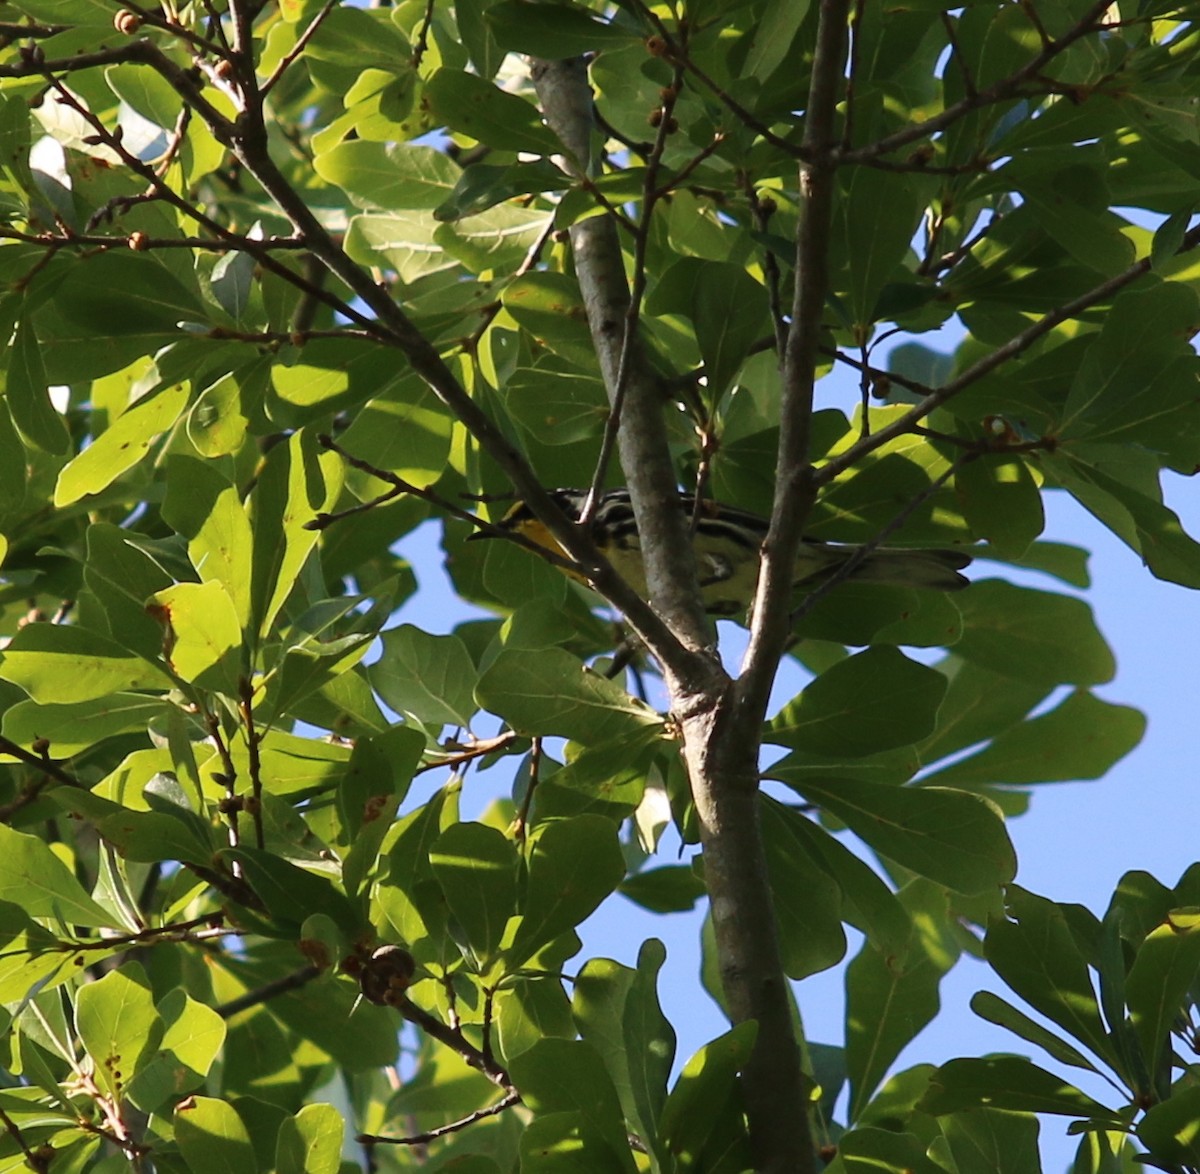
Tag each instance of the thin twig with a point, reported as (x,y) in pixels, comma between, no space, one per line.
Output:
(454,1040)
(521,823)
(294,52)
(38,761)
(178,932)
(1001,91)
(399,487)
(253,741)
(676,53)
(268,991)
(222,129)
(956,54)
(650,197)
(36,1160)
(505,1102)
(66,237)
(458,756)
(1002,354)
(423,36)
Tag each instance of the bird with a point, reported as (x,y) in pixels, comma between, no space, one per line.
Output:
(727,541)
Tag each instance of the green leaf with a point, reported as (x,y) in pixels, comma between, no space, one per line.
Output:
(994,1009)
(402,240)
(952,837)
(147,92)
(294,484)
(987,1141)
(212,1138)
(867,902)
(1131,377)
(388,175)
(557,1076)
(482,186)
(120,293)
(728,308)
(1136,516)
(599,996)
(28,395)
(290,893)
(118,1024)
(531,1009)
(170,833)
(204,640)
(1079,739)
(674,888)
(310,1142)
(1156,988)
(1001,503)
(215,425)
(63,664)
(573,865)
(1034,636)
(550,30)
(192,1039)
(13,472)
(807,900)
(1171,1130)
(34,878)
(404,430)
(557,407)
(707,1095)
(649,1042)
(205,508)
(890,999)
(550,306)
(471,106)
(870,702)
(80,725)
(880,213)
(550,692)
(476,866)
(566,1143)
(122,578)
(884,1151)
(979,704)
(410,897)
(1035,953)
(1168,238)
(430,677)
(1007,1082)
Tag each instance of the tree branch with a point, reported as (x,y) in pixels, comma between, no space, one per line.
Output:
(505,1102)
(565,97)
(268,991)
(1015,345)
(722,751)
(1001,91)
(795,491)
(395,328)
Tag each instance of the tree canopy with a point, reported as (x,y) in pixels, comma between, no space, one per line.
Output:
(282,283)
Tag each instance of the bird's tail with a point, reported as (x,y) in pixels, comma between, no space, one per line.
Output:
(889,565)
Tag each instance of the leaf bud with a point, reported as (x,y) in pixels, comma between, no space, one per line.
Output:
(139,242)
(127,22)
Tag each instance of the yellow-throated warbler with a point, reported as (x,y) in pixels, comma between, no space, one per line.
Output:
(727,542)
